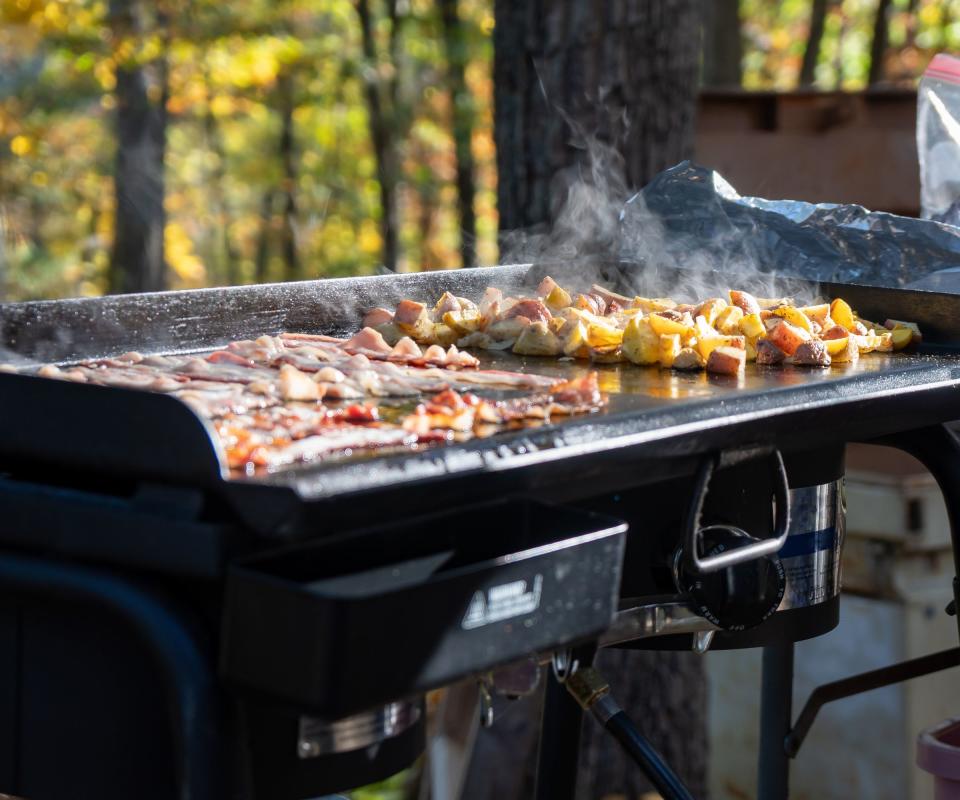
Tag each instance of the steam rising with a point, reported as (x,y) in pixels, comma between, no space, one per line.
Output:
(598,218)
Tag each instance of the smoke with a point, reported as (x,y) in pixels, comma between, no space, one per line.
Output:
(598,219)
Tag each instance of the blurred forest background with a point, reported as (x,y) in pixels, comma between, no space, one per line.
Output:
(308,138)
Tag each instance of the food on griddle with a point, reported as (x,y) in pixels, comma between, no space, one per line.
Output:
(292,398)
(606,327)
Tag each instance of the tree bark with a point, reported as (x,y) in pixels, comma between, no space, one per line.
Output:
(262,260)
(384,148)
(291,257)
(461,103)
(722,44)
(878,45)
(811,54)
(137,258)
(625,74)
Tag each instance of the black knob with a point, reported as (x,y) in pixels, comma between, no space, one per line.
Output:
(735,598)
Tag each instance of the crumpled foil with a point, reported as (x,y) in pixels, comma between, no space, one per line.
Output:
(689,214)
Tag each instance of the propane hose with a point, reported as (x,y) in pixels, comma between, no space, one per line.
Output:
(592,692)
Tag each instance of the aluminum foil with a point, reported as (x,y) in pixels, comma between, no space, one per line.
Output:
(690,215)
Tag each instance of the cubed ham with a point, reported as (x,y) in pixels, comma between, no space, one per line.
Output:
(768,353)
(812,354)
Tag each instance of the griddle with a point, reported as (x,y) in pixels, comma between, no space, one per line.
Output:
(657,424)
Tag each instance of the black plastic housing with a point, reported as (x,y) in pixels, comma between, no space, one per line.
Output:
(338,628)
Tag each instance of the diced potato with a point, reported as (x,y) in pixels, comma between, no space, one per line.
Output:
(704,329)
(837,345)
(817,313)
(884,341)
(651,304)
(706,346)
(558,298)
(727,361)
(794,316)
(559,325)
(664,326)
(774,302)
(391,332)
(876,327)
(866,343)
(507,328)
(841,313)
(728,320)
(444,335)
(641,344)
(710,309)
(463,322)
(848,355)
(607,355)
(669,348)
(788,337)
(752,326)
(576,342)
(537,339)
(894,324)
(688,359)
(750,347)
(901,337)
(599,336)
(745,301)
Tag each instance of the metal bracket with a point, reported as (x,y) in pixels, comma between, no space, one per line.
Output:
(864,682)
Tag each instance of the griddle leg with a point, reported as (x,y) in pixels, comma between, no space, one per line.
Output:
(560,731)
(938,449)
(776,694)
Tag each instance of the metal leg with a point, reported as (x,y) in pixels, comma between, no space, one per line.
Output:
(938,449)
(773,769)
(560,731)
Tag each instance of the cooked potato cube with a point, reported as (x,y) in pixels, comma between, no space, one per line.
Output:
(836,345)
(651,304)
(688,359)
(842,314)
(706,346)
(558,298)
(704,330)
(728,320)
(537,339)
(599,336)
(794,316)
(901,337)
(788,337)
(443,334)
(848,355)
(818,313)
(727,361)
(750,348)
(641,344)
(463,322)
(895,324)
(745,301)
(607,355)
(665,325)
(576,342)
(710,309)
(752,326)
(768,353)
(669,348)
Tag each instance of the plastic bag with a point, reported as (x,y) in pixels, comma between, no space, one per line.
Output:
(938,140)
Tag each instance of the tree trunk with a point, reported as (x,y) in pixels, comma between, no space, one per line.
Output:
(878,46)
(636,69)
(261,268)
(629,78)
(384,148)
(722,44)
(291,257)
(461,103)
(811,54)
(137,260)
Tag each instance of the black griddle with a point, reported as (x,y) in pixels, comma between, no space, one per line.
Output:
(327,589)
